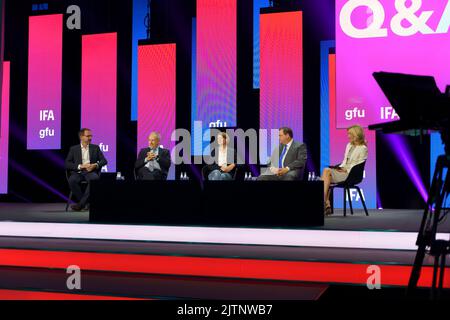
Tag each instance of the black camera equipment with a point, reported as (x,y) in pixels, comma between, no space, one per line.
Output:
(423,109)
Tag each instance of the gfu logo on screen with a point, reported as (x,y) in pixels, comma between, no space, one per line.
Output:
(416,20)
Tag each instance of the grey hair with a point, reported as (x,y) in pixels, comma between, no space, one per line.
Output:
(156,134)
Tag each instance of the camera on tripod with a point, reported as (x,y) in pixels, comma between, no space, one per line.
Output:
(423,108)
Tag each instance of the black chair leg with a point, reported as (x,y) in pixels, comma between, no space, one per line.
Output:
(332,200)
(350,200)
(68,201)
(363,201)
(345,202)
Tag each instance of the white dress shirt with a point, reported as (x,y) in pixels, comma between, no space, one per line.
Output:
(222,157)
(85,159)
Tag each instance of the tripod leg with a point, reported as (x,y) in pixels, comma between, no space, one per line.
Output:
(426,233)
(435,275)
(417,269)
(441,276)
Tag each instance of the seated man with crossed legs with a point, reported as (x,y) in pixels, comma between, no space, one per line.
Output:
(84,162)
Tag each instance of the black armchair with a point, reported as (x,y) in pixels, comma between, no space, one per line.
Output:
(354,178)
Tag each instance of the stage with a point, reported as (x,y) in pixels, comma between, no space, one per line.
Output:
(209,140)
(379,220)
(39,241)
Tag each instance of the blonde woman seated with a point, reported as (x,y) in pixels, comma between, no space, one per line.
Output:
(355,153)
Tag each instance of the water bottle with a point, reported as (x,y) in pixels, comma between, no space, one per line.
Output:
(246,176)
(313,176)
(250,177)
(309,176)
(119,176)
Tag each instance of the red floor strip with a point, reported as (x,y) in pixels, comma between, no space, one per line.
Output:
(35,295)
(322,272)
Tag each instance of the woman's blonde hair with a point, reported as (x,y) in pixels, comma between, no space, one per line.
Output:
(358,132)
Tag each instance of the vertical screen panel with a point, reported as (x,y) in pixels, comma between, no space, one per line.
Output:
(282,72)
(257,6)
(44,82)
(216,62)
(157,94)
(325,47)
(338,143)
(99,92)
(139,32)
(197,149)
(4,133)
(437,149)
(383,35)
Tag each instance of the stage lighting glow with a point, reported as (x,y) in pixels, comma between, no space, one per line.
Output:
(400,149)
(27,173)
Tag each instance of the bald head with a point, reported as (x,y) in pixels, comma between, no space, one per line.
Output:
(153,140)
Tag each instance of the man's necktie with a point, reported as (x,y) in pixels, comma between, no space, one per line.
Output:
(280,163)
(151,164)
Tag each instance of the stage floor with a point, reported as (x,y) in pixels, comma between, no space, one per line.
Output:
(39,241)
(379,220)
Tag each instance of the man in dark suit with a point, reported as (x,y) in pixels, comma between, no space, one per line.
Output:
(289,161)
(84,162)
(153,163)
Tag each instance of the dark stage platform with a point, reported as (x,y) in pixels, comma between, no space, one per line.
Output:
(211,204)
(380,220)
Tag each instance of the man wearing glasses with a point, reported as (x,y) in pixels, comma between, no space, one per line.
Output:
(84,163)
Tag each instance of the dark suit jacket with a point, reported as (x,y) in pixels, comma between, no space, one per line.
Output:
(295,158)
(74,158)
(163,160)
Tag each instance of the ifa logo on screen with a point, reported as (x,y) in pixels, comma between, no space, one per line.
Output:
(47,117)
(354,194)
(388,113)
(408,21)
